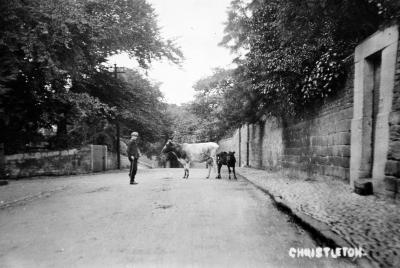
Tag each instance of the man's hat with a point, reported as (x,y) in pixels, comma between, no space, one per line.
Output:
(134,133)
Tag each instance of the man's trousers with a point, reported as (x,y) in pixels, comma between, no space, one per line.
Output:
(133,169)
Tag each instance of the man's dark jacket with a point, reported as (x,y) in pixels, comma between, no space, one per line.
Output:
(132,150)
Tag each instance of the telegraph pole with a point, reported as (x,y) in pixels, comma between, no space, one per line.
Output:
(248,146)
(117,124)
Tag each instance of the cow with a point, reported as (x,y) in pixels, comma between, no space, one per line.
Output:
(193,152)
(228,159)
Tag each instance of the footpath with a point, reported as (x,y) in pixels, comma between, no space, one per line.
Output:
(335,214)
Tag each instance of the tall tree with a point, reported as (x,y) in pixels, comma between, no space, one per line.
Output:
(50,48)
(291,53)
(213,95)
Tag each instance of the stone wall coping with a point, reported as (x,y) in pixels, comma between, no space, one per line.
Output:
(376,42)
(38,155)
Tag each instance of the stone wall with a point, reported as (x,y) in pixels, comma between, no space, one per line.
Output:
(112,161)
(266,140)
(392,169)
(321,144)
(317,145)
(257,145)
(65,162)
(236,143)
(354,135)
(230,144)
(92,158)
(2,161)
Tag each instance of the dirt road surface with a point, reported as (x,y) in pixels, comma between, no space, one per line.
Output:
(164,221)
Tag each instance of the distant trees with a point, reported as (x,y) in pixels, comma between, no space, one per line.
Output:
(216,104)
(185,126)
(52,73)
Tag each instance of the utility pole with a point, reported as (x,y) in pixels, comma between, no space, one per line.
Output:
(117,124)
(240,146)
(248,146)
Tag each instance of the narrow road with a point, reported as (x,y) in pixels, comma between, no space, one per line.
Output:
(164,221)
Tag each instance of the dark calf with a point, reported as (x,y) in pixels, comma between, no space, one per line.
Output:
(228,159)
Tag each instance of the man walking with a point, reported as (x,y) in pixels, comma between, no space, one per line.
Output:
(133,156)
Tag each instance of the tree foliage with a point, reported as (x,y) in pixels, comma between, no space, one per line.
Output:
(52,53)
(213,101)
(221,103)
(291,54)
(184,125)
(136,104)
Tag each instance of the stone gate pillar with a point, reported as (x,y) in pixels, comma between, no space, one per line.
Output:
(375,61)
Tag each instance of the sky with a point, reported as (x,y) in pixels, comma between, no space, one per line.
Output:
(197,26)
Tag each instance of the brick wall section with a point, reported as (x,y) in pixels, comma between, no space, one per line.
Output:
(392,169)
(65,162)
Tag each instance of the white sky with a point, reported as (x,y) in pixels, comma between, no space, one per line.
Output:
(198,27)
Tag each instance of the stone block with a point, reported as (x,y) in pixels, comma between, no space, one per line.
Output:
(339,172)
(313,141)
(395,132)
(392,168)
(318,150)
(285,164)
(327,151)
(396,102)
(330,140)
(394,150)
(328,171)
(347,174)
(390,194)
(339,161)
(343,126)
(340,150)
(305,159)
(363,187)
(342,138)
(338,115)
(320,141)
(320,169)
(348,113)
(333,161)
(391,184)
(345,151)
(331,127)
(321,160)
